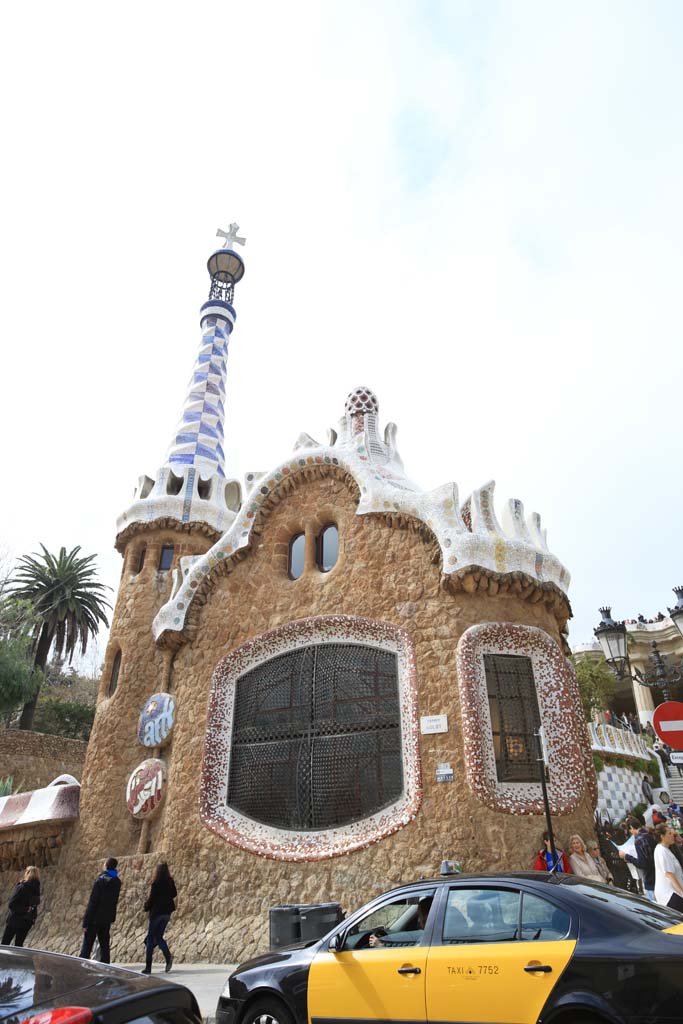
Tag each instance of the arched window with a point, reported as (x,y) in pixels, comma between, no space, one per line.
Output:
(114,677)
(316,737)
(140,560)
(327,548)
(166,558)
(295,564)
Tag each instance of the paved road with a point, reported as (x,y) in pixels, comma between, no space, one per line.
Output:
(205,980)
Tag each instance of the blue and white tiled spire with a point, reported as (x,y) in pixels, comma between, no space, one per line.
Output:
(191,486)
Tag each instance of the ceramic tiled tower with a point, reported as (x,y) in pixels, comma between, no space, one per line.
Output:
(177,514)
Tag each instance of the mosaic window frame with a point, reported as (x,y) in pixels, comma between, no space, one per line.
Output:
(559,710)
(285,844)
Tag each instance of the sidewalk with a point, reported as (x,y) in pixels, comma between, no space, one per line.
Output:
(204,980)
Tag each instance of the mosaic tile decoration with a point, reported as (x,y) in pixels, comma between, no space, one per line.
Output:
(619,790)
(555,686)
(476,540)
(281,844)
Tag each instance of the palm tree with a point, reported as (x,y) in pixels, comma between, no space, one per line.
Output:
(68,603)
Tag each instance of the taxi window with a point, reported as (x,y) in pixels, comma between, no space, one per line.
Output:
(481,915)
(399,922)
(653,915)
(542,920)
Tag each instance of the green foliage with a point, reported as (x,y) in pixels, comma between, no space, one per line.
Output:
(620,762)
(598,762)
(18,679)
(638,811)
(64,718)
(654,771)
(68,603)
(6,786)
(597,685)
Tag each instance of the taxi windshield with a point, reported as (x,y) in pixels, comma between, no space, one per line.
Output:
(650,914)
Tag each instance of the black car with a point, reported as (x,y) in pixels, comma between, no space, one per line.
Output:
(46,988)
(500,949)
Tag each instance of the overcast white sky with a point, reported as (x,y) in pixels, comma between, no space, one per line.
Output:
(473,208)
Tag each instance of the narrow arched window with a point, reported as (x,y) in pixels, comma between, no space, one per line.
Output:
(166,558)
(327,548)
(140,560)
(295,565)
(114,677)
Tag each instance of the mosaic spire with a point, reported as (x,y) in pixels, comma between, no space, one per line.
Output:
(191,486)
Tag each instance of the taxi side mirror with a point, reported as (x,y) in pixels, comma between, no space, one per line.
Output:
(335,944)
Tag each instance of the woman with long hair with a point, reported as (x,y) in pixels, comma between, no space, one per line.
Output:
(668,871)
(160,904)
(23,908)
(581,861)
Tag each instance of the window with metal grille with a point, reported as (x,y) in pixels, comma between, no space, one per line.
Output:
(513,705)
(316,738)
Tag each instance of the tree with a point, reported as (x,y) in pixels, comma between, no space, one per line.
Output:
(597,685)
(19,679)
(68,603)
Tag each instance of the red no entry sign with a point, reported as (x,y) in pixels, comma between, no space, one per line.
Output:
(667,722)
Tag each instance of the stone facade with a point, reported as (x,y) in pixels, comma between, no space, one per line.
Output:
(384,573)
(34,759)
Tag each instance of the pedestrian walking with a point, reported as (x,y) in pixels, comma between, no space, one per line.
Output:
(160,904)
(23,908)
(644,858)
(668,871)
(100,912)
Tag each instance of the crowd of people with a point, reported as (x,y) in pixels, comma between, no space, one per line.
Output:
(100,913)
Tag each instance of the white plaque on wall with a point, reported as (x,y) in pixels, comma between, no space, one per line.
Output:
(433,723)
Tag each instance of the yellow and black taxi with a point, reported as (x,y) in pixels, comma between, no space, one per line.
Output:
(495,949)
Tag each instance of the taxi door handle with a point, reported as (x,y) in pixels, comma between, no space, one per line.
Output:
(538,969)
(410,970)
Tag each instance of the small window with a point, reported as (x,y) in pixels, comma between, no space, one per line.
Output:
(204,489)
(114,677)
(401,922)
(296,556)
(513,706)
(327,548)
(542,920)
(166,558)
(174,483)
(140,560)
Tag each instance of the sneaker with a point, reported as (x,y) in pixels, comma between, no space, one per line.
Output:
(169,962)
(146,970)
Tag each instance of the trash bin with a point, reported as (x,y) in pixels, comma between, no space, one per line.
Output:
(317,919)
(285,926)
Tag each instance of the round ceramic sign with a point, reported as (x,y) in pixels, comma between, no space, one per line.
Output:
(146,788)
(155,723)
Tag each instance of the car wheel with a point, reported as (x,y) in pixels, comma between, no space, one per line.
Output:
(267,1011)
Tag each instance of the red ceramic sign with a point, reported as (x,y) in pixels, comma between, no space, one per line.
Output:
(146,788)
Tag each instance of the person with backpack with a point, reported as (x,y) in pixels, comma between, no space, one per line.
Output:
(644,859)
(23,908)
(100,912)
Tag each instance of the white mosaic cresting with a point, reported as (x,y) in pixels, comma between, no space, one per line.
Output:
(555,686)
(281,844)
(469,536)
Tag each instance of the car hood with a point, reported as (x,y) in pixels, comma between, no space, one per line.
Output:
(32,978)
(298,952)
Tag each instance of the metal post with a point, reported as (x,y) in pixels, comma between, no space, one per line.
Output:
(544,790)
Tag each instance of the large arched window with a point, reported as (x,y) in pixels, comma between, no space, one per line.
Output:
(312,742)
(316,738)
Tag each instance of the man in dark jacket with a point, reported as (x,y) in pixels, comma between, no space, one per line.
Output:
(645,854)
(100,913)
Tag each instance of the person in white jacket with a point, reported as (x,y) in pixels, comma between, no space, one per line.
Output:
(668,871)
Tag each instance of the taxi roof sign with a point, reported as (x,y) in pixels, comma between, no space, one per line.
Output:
(667,722)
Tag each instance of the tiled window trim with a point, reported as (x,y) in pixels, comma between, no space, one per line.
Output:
(556,687)
(282,844)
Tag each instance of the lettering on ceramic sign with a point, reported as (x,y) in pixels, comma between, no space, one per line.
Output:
(156,720)
(146,788)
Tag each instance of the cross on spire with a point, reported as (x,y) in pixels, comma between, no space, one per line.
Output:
(231,237)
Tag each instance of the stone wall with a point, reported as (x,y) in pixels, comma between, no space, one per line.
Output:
(383,573)
(34,759)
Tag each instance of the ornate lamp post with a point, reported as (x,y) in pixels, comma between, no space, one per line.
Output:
(611,636)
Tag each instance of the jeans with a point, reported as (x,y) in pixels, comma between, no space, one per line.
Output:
(101,933)
(155,935)
(650,893)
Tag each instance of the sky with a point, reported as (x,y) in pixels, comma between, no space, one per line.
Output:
(472,208)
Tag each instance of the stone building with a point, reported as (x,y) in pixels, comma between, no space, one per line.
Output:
(319,682)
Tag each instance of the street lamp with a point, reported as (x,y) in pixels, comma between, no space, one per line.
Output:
(611,636)
(676,613)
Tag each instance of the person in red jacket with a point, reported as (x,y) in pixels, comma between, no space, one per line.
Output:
(544,858)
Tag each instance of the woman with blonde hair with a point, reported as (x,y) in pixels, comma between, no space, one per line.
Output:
(23,908)
(581,861)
